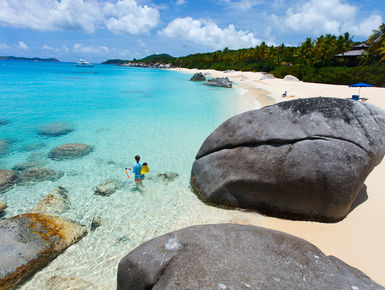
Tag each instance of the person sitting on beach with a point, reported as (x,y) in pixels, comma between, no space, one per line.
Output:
(284,94)
(136,169)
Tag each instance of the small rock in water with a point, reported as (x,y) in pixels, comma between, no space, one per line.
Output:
(69,151)
(67,283)
(7,179)
(33,146)
(167,176)
(56,202)
(55,129)
(96,222)
(3,206)
(123,239)
(38,174)
(109,187)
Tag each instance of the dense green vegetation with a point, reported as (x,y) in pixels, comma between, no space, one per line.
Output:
(314,60)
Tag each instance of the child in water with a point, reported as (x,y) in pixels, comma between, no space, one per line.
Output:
(136,169)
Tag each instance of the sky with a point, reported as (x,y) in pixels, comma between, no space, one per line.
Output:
(98,30)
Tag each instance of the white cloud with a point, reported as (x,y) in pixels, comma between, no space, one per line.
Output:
(119,16)
(206,32)
(46,47)
(141,43)
(21,45)
(4,46)
(243,5)
(180,2)
(81,49)
(329,16)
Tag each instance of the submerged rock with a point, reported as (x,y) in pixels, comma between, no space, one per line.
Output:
(96,222)
(66,283)
(219,82)
(7,179)
(30,241)
(167,176)
(69,151)
(54,203)
(109,187)
(4,146)
(228,256)
(198,77)
(3,206)
(27,165)
(55,129)
(38,174)
(304,159)
(3,122)
(291,78)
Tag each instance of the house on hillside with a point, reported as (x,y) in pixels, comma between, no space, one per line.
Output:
(351,57)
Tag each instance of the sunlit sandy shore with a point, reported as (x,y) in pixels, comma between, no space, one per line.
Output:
(359,239)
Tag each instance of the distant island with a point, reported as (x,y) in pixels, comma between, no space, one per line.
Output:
(154,61)
(29,58)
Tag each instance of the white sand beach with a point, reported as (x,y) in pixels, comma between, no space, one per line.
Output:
(359,239)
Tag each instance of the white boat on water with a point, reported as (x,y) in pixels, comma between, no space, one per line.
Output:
(84,63)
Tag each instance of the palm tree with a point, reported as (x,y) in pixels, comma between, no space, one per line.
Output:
(377,41)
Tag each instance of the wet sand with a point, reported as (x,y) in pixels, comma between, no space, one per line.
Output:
(358,240)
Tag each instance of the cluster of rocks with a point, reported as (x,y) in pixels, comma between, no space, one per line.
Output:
(292,160)
(215,82)
(229,256)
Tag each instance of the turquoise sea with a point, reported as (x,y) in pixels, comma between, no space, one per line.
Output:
(121,112)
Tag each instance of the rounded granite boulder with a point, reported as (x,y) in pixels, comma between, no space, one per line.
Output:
(305,159)
(230,256)
(69,151)
(38,174)
(55,129)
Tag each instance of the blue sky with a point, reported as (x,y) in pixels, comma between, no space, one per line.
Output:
(98,30)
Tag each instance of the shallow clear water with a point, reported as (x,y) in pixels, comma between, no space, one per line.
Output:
(121,112)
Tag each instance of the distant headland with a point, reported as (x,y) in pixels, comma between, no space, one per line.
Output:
(29,58)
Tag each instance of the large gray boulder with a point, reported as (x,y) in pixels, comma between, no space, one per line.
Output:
(198,77)
(30,241)
(7,179)
(229,256)
(69,151)
(219,82)
(55,129)
(303,159)
(290,78)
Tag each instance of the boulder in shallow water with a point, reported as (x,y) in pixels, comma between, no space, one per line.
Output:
(198,77)
(109,187)
(7,179)
(219,82)
(291,78)
(304,159)
(27,165)
(38,174)
(69,151)
(3,147)
(3,206)
(55,129)
(54,203)
(30,241)
(229,256)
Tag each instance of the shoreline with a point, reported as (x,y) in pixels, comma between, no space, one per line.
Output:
(358,239)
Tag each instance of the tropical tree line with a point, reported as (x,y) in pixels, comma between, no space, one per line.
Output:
(314,60)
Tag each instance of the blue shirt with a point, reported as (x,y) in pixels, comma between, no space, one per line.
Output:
(136,170)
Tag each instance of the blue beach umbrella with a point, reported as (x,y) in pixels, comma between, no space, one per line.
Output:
(360,85)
